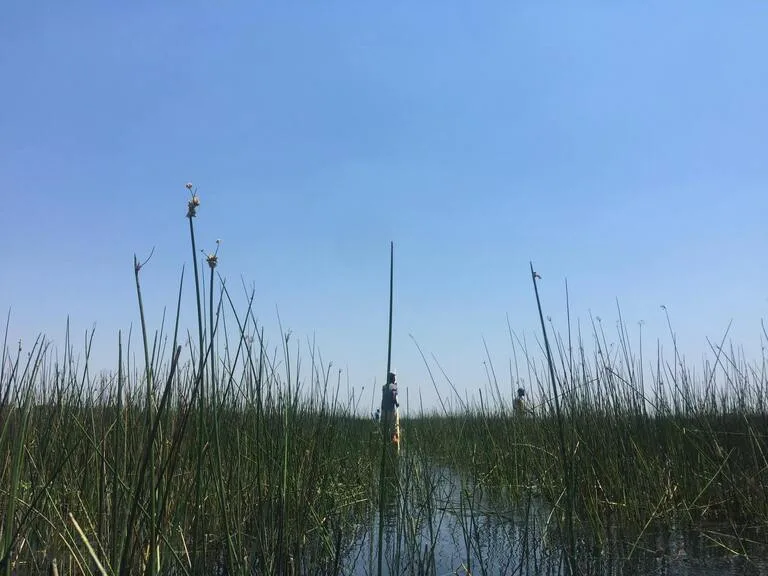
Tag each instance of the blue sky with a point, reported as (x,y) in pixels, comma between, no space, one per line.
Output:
(618,145)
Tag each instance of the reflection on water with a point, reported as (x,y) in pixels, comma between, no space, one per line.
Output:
(436,524)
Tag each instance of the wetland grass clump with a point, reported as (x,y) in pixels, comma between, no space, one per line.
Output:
(283,482)
(679,452)
(233,459)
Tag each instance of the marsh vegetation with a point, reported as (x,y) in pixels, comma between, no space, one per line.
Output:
(231,454)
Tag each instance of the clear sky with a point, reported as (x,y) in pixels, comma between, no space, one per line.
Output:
(620,145)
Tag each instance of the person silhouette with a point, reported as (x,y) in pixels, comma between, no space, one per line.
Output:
(519,402)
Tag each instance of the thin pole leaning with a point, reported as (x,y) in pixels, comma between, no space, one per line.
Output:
(384,416)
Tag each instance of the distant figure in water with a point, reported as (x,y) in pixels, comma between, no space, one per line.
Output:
(393,388)
(389,406)
(519,403)
(389,399)
(376,415)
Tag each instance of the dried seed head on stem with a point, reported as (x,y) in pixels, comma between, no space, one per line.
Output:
(194,201)
(213,259)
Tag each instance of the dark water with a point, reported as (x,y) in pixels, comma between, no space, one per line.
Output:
(448,527)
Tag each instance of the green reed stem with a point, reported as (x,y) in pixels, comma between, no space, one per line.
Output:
(154,556)
(560,430)
(197,527)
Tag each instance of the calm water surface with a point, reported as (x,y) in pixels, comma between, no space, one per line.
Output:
(455,531)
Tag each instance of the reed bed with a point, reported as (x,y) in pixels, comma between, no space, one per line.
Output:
(282,493)
(647,447)
(231,455)
(240,458)
(298,472)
